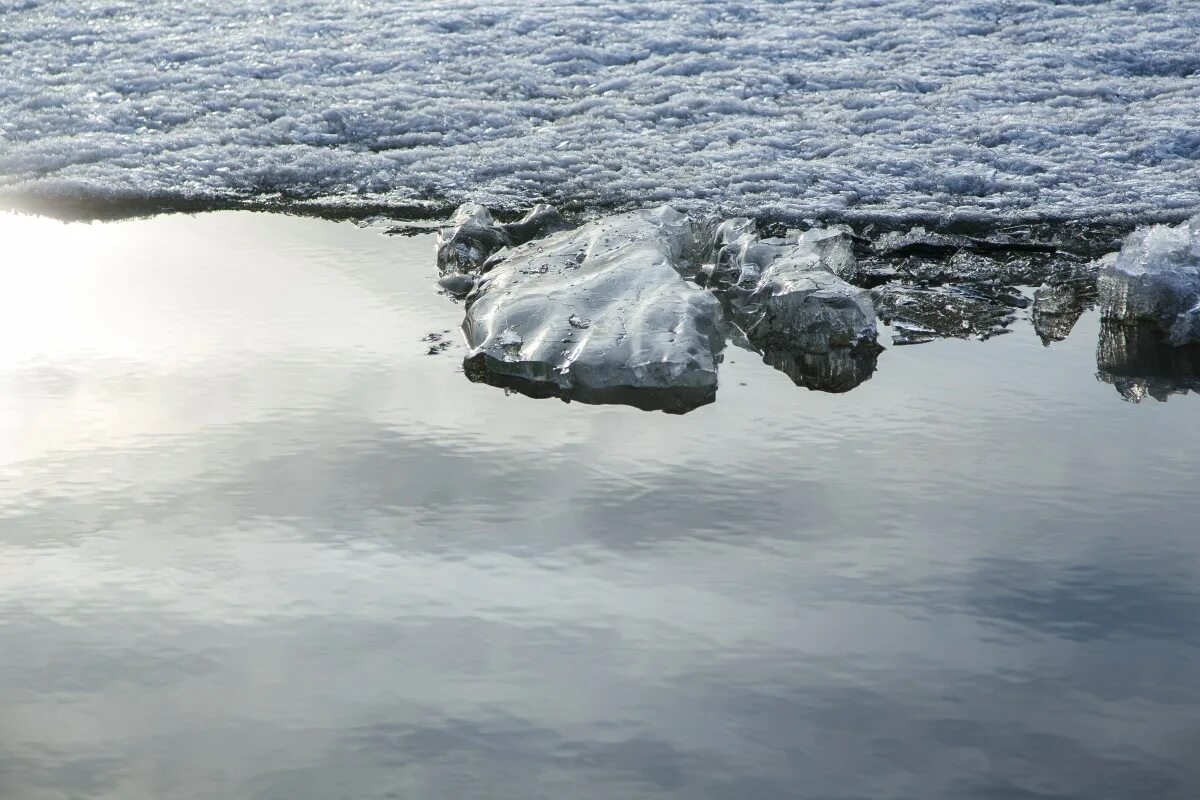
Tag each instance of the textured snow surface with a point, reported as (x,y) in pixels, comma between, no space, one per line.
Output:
(870,109)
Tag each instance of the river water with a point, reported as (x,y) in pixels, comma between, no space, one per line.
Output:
(257,542)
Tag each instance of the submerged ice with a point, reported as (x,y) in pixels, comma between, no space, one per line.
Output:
(893,110)
(1138,361)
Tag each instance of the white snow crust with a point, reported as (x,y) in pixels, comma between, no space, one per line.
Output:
(896,110)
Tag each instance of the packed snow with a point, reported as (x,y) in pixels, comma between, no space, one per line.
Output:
(891,110)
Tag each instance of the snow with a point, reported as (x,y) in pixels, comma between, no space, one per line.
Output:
(895,110)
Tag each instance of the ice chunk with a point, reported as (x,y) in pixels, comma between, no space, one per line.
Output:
(789,298)
(1155,278)
(733,229)
(600,314)
(458,284)
(474,236)
(540,220)
(795,306)
(789,295)
(963,267)
(919,242)
(742,260)
(833,248)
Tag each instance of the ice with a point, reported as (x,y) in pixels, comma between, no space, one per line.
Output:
(742,258)
(920,314)
(791,300)
(935,258)
(790,293)
(458,284)
(1155,278)
(795,305)
(920,242)
(1061,300)
(1056,309)
(474,236)
(900,111)
(600,314)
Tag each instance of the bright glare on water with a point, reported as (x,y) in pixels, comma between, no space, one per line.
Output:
(256,542)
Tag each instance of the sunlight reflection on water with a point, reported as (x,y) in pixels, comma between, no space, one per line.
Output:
(257,543)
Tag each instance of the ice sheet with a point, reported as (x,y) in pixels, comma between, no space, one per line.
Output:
(895,110)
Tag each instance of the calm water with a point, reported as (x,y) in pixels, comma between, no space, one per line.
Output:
(256,543)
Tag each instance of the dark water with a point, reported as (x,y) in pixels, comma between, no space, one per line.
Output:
(256,543)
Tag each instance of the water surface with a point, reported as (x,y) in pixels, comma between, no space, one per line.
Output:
(255,542)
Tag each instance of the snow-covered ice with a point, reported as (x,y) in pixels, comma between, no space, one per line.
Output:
(897,110)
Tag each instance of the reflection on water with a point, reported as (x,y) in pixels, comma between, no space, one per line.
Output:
(920,314)
(1137,360)
(255,542)
(838,370)
(676,400)
(1056,309)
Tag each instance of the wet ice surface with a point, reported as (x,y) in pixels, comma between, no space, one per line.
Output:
(597,314)
(1155,278)
(888,110)
(256,543)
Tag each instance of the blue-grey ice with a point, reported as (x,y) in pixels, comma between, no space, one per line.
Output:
(885,110)
(606,312)
(601,314)
(474,236)
(1155,278)
(792,294)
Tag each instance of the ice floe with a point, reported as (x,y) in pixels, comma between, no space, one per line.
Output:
(600,314)
(1155,278)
